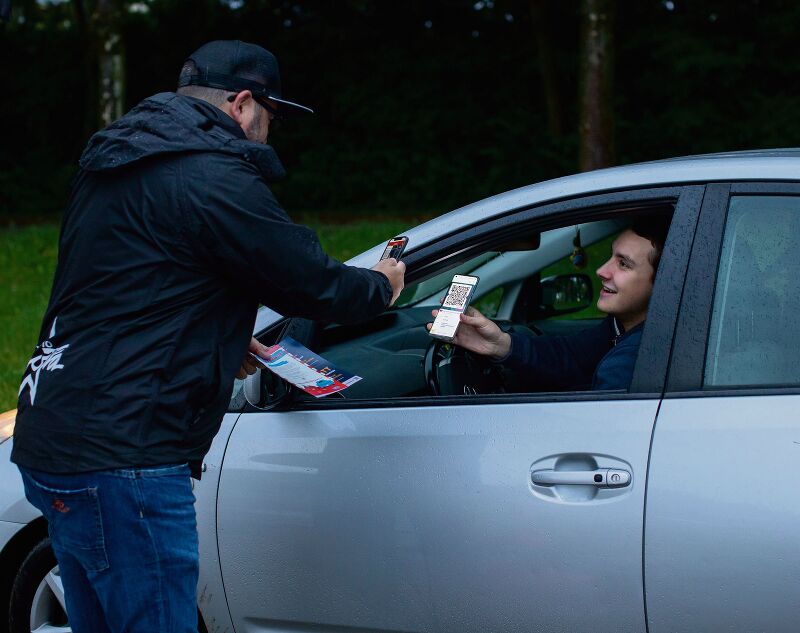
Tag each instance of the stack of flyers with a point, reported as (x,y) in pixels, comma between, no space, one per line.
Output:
(305,369)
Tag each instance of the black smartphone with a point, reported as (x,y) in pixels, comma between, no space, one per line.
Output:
(395,247)
(455,302)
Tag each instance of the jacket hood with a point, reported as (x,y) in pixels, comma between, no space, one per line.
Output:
(168,123)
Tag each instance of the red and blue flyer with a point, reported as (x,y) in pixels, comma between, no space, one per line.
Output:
(305,369)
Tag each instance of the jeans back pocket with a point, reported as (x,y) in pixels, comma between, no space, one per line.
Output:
(75,521)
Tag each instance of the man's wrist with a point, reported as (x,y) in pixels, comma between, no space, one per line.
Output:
(387,284)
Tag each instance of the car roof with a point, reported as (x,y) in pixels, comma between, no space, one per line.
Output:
(754,165)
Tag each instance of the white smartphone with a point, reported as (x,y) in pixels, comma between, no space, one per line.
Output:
(455,302)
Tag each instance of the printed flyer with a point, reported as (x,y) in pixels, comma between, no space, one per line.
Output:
(305,369)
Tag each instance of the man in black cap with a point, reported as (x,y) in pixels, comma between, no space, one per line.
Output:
(170,241)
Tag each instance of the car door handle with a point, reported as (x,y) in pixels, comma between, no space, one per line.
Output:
(601,478)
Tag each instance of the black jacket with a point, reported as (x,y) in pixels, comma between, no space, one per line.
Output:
(601,357)
(170,241)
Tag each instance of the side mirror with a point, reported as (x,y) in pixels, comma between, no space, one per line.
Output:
(265,391)
(563,294)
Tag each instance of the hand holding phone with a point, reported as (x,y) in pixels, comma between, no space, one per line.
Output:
(456,301)
(395,272)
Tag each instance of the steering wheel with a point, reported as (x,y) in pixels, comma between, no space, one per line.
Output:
(452,370)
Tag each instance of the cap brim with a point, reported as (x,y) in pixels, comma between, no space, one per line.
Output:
(291,108)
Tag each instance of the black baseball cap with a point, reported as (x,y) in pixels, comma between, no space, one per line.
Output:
(235,66)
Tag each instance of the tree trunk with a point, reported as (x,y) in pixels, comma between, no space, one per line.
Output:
(106,21)
(89,63)
(596,123)
(547,70)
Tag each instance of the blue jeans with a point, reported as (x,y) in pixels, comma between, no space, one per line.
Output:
(126,545)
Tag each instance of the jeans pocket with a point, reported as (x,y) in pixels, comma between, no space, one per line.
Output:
(75,521)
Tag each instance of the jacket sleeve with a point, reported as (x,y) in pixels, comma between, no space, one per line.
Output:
(239,229)
(559,362)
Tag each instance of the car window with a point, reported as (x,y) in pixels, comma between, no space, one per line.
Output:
(754,335)
(489,303)
(393,353)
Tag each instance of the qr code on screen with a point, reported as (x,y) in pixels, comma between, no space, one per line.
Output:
(457,297)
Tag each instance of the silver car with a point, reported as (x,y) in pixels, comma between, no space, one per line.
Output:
(444,494)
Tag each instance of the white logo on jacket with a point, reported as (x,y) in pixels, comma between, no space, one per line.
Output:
(48,359)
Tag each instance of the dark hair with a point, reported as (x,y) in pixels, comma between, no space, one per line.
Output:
(653,228)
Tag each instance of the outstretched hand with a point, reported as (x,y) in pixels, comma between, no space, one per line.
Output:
(478,334)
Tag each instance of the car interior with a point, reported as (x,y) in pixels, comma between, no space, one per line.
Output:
(541,283)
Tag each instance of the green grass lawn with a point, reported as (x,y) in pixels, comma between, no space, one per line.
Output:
(28,259)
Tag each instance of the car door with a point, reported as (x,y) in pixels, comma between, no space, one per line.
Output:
(459,513)
(722,538)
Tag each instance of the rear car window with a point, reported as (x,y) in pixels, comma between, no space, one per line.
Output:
(754,334)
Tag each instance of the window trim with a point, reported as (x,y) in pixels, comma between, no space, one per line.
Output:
(658,334)
(662,314)
(687,365)
(324,404)
(480,237)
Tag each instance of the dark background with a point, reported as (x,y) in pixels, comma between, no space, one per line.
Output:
(422,106)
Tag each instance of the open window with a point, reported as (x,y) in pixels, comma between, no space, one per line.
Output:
(531,281)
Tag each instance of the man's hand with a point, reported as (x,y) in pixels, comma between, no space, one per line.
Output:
(478,334)
(396,272)
(249,366)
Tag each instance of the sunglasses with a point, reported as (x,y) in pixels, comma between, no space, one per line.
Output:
(274,115)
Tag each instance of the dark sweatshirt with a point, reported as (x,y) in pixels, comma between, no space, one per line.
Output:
(601,357)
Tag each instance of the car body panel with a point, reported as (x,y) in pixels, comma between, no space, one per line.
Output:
(14,507)
(722,538)
(425,519)
(210,590)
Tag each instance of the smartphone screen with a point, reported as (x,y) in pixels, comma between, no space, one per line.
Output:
(455,302)
(395,247)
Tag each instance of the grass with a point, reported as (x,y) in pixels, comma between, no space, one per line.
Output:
(28,260)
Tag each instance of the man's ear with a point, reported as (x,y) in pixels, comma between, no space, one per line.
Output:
(236,109)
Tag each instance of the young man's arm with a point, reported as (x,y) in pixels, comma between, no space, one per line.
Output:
(542,362)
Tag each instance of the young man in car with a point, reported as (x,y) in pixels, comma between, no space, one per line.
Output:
(601,357)
(170,241)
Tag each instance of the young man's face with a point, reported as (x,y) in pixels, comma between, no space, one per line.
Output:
(627,279)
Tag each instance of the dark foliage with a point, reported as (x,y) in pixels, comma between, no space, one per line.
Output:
(422,106)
